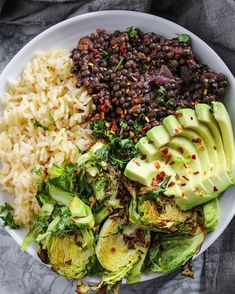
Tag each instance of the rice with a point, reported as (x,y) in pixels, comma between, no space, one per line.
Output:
(44,97)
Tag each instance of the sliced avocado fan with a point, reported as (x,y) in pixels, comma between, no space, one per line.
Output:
(195,148)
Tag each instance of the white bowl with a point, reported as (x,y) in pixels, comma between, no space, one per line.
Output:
(66,35)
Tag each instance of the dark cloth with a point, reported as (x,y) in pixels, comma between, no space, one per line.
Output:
(211,20)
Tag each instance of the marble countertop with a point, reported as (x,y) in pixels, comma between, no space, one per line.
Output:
(19,272)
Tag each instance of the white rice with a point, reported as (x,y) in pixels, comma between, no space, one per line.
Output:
(46,93)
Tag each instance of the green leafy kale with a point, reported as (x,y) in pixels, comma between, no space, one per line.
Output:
(7,216)
(184,38)
(155,194)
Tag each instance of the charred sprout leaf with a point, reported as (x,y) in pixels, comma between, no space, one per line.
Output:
(184,38)
(187,270)
(154,194)
(81,213)
(131,32)
(176,250)
(94,268)
(63,177)
(101,214)
(59,195)
(37,124)
(6,214)
(40,225)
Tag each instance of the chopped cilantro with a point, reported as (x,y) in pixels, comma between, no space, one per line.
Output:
(105,54)
(38,171)
(184,38)
(7,218)
(36,123)
(123,124)
(131,32)
(170,102)
(161,90)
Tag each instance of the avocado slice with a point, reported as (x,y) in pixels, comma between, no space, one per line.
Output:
(222,117)
(199,160)
(147,148)
(188,119)
(144,172)
(172,125)
(159,136)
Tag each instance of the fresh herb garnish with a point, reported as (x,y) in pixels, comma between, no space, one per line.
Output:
(119,63)
(184,38)
(154,194)
(161,92)
(123,124)
(170,102)
(36,123)
(105,54)
(131,32)
(7,218)
(37,171)
(98,127)
(137,125)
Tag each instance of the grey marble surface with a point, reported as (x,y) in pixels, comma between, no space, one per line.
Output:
(20,273)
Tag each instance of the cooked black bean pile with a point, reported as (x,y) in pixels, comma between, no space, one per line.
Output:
(137,78)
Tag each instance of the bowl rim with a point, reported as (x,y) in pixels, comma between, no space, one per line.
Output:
(125,13)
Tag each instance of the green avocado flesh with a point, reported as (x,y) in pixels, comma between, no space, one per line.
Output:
(195,148)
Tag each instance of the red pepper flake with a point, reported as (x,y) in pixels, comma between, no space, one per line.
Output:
(171,184)
(185,165)
(196,173)
(165,151)
(178,114)
(187,179)
(55,107)
(194,157)
(107,103)
(191,117)
(204,172)
(176,131)
(215,189)
(171,163)
(197,140)
(122,49)
(137,101)
(181,150)
(113,249)
(183,184)
(88,145)
(119,110)
(102,108)
(143,157)
(114,99)
(122,202)
(157,165)
(96,52)
(215,148)
(147,244)
(202,148)
(102,115)
(134,106)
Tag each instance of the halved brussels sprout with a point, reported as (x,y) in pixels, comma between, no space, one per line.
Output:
(173,251)
(69,255)
(161,215)
(121,250)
